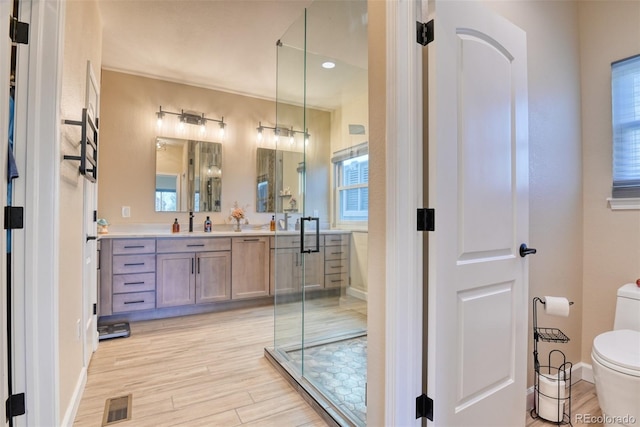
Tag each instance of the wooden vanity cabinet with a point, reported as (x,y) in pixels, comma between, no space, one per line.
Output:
(193,271)
(336,256)
(250,267)
(289,262)
(127,275)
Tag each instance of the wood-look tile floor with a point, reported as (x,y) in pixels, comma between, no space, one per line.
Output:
(210,370)
(584,406)
(202,370)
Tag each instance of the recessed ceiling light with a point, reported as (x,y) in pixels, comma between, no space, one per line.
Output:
(328,65)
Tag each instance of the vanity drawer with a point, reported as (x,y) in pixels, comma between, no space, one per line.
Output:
(336,239)
(194,245)
(336,266)
(134,283)
(134,246)
(336,252)
(294,241)
(134,301)
(124,264)
(336,280)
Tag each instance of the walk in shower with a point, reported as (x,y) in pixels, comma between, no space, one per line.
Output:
(320,198)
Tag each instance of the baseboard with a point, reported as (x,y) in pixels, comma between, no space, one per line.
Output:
(579,371)
(74,404)
(357,293)
(587,373)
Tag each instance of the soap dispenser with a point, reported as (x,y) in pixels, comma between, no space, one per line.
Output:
(207,225)
(272,224)
(176,226)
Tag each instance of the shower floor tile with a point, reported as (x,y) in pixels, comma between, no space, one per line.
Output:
(339,371)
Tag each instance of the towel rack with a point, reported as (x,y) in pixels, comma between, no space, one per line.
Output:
(88,146)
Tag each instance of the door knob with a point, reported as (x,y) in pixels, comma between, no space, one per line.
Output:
(524,250)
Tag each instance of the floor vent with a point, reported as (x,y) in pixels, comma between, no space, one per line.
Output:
(117,409)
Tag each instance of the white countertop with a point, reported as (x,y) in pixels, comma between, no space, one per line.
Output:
(247,230)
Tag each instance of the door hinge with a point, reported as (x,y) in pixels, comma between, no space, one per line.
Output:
(15,405)
(13,217)
(95,216)
(95,308)
(18,31)
(426,219)
(424,32)
(424,407)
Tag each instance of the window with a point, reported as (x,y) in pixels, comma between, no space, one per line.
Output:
(166,193)
(352,184)
(625,93)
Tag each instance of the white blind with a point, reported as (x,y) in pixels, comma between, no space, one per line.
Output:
(625,94)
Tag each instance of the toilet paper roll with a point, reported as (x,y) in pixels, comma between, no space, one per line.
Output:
(550,398)
(556,306)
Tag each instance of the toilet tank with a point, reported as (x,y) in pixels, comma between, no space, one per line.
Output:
(628,308)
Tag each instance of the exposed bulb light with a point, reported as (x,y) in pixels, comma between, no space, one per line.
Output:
(160,116)
(222,126)
(306,137)
(291,136)
(259,128)
(328,65)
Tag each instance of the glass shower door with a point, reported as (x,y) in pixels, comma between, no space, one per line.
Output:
(321,114)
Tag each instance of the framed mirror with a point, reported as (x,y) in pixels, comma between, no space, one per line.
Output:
(279,181)
(188,175)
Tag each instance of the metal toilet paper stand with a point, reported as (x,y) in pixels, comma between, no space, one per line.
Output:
(552,382)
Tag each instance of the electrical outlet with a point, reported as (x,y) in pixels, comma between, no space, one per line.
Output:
(126,211)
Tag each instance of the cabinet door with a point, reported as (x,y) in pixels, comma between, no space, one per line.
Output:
(213,277)
(250,267)
(313,270)
(175,280)
(285,271)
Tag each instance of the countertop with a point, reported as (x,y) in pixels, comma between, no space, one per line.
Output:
(247,230)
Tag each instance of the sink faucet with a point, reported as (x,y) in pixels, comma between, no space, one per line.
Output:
(190,221)
(286,220)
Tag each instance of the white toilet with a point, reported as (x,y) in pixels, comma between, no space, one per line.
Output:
(616,362)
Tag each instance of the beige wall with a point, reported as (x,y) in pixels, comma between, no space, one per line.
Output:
(377,208)
(83,42)
(609,30)
(128,155)
(555,165)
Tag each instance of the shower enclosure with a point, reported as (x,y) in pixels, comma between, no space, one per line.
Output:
(319,248)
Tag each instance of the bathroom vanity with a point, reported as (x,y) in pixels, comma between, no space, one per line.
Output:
(149,276)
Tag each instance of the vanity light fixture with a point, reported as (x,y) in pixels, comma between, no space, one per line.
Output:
(191,118)
(279,131)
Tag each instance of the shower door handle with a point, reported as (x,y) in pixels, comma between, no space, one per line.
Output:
(302,248)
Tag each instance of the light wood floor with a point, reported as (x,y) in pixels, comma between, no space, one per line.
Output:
(209,370)
(202,370)
(583,402)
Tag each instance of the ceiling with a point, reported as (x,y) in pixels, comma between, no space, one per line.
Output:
(230,45)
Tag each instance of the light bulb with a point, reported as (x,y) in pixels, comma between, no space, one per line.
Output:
(222,126)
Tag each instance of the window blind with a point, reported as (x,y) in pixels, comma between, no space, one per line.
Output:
(625,97)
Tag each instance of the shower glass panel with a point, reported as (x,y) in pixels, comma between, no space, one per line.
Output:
(319,258)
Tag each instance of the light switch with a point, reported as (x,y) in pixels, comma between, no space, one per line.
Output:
(126,211)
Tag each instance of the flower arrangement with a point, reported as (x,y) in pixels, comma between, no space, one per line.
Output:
(237,214)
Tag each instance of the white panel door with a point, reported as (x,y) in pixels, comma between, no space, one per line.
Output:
(478,184)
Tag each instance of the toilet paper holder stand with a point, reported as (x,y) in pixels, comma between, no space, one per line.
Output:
(552,382)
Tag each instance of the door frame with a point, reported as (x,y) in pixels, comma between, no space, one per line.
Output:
(404,245)
(36,248)
(5,10)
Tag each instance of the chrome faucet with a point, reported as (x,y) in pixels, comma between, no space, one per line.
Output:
(286,220)
(191,222)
